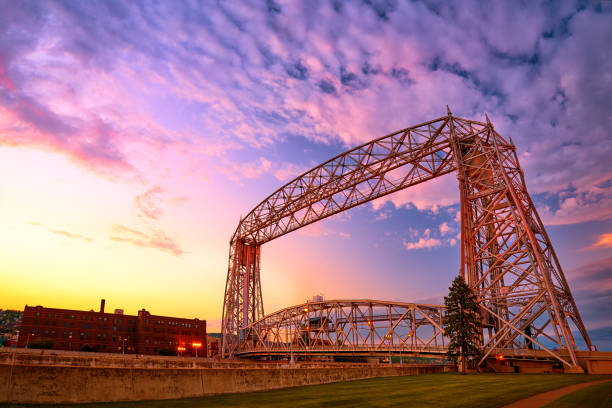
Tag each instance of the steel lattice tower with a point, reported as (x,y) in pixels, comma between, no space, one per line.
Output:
(506,255)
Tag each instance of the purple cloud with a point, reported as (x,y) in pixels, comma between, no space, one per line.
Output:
(230,78)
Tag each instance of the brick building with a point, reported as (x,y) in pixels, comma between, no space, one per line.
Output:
(64,329)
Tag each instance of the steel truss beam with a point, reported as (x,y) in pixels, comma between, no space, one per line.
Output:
(347,326)
(506,255)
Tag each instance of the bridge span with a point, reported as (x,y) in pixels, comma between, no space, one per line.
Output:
(347,327)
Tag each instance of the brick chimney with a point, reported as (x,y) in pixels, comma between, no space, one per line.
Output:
(102,302)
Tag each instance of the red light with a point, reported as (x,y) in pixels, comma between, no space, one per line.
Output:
(499,357)
(196,344)
(180,348)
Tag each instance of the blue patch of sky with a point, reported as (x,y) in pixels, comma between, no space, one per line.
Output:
(402,76)
(273,7)
(301,151)
(384,253)
(601,337)
(351,80)
(570,249)
(487,88)
(382,8)
(327,87)
(297,70)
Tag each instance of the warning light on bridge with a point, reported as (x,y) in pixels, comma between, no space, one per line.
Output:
(499,357)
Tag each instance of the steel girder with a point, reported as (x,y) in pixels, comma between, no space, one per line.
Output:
(347,326)
(506,255)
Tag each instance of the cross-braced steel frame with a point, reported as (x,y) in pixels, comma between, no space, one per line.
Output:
(335,327)
(506,255)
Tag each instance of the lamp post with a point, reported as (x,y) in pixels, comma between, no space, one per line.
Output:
(123,346)
(196,345)
(28,339)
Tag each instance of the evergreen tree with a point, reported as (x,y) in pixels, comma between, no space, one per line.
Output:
(462,323)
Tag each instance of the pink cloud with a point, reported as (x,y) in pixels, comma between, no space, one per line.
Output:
(146,205)
(63,233)
(603,241)
(445,228)
(156,239)
(423,243)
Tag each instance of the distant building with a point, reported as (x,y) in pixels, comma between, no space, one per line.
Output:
(10,320)
(214,342)
(317,298)
(64,329)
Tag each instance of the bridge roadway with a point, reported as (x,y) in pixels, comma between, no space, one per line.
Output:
(363,351)
(370,328)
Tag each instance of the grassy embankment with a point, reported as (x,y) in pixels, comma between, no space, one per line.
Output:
(439,390)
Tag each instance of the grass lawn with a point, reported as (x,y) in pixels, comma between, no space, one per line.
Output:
(599,395)
(436,390)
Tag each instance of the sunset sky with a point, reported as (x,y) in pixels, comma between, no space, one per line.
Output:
(133,136)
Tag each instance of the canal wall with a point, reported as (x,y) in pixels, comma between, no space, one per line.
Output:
(70,384)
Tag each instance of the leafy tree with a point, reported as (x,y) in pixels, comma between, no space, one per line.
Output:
(462,323)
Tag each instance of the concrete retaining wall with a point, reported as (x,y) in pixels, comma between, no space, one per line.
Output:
(56,384)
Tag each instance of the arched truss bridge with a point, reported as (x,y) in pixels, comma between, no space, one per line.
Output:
(506,254)
(336,327)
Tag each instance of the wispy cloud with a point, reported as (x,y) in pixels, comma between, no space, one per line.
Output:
(426,241)
(603,241)
(146,203)
(156,239)
(63,233)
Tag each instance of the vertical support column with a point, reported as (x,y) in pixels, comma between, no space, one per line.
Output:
(246,263)
(242,304)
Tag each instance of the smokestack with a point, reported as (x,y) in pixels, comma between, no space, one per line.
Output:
(102,302)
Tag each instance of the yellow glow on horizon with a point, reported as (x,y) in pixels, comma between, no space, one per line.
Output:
(56,251)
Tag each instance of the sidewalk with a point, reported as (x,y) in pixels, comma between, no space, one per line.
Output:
(544,398)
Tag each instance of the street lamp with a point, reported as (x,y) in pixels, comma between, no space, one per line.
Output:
(196,345)
(123,346)
(28,339)
(389,336)
(180,349)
